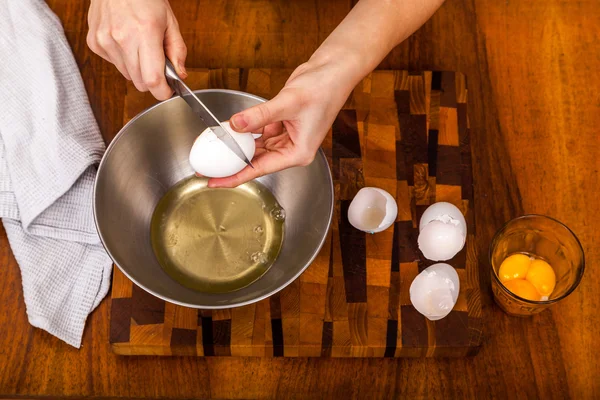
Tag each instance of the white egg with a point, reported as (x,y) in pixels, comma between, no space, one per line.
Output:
(211,158)
(435,290)
(442,231)
(372,210)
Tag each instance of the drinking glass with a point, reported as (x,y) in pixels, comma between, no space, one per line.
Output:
(544,238)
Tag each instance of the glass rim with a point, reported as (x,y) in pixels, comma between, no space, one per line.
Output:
(534,302)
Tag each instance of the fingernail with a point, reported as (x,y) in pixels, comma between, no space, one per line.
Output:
(239,122)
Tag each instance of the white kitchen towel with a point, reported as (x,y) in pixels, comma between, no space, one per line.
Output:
(50,145)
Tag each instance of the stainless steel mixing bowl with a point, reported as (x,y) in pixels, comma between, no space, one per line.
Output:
(150,155)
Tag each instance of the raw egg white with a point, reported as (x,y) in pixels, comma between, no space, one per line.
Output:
(442,231)
(435,290)
(211,158)
(372,210)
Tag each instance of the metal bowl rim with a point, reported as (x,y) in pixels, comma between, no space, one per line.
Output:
(111,146)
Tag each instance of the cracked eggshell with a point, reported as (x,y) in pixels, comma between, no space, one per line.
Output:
(434,291)
(442,231)
(372,210)
(441,209)
(211,158)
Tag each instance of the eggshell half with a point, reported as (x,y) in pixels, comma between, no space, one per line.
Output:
(444,212)
(372,210)
(211,158)
(434,291)
(443,231)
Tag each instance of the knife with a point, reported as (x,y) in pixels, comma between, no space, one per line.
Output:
(180,88)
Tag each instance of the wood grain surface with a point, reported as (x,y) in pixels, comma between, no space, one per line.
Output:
(534,74)
(407,133)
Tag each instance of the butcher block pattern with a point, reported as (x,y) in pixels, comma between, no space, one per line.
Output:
(404,132)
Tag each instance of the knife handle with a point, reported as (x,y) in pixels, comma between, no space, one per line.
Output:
(172,77)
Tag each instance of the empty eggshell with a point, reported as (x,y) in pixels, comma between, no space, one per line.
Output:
(443,231)
(435,290)
(211,158)
(372,210)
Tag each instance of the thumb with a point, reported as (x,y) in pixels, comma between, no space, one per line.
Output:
(255,118)
(175,48)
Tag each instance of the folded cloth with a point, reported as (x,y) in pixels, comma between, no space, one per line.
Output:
(50,145)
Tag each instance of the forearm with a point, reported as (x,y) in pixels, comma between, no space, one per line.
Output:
(370,31)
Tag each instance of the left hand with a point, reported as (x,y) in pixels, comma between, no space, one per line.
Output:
(134,35)
(294,123)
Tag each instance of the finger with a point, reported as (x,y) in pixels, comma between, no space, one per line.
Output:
(175,48)
(259,143)
(116,57)
(152,64)
(268,132)
(266,163)
(92,42)
(274,143)
(257,117)
(105,46)
(272,130)
(132,61)
(102,54)
(259,151)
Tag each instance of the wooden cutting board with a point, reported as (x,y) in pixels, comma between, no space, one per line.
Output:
(407,133)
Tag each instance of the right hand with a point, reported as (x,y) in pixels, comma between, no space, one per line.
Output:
(135,35)
(295,122)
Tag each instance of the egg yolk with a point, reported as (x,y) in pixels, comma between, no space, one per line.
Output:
(542,277)
(514,267)
(523,288)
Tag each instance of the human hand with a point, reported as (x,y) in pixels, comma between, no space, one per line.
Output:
(134,35)
(294,123)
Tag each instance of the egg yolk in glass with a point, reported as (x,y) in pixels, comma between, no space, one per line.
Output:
(514,267)
(542,277)
(527,277)
(523,288)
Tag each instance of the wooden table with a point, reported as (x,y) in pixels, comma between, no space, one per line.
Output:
(534,73)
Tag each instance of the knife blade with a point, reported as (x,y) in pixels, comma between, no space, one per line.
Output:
(203,112)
